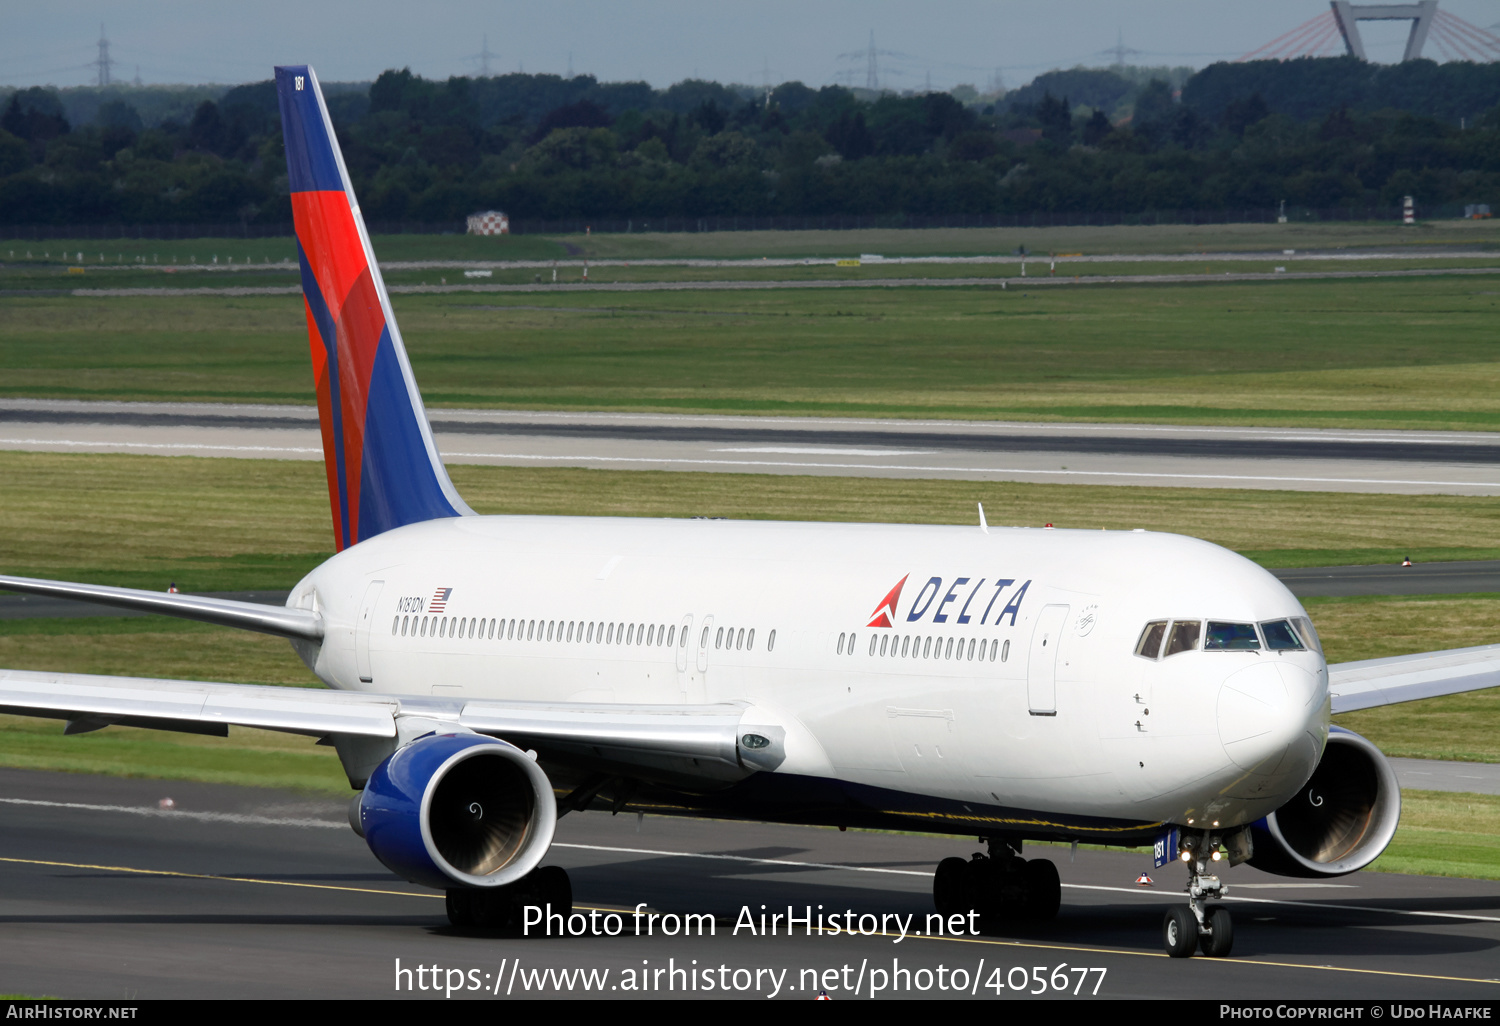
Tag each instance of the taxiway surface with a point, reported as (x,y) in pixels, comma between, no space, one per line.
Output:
(1409,462)
(239,892)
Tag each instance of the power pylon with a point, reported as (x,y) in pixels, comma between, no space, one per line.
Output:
(103,63)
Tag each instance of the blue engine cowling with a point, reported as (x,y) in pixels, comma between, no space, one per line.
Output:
(459,810)
(1340,821)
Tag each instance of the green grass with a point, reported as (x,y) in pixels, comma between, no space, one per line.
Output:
(1445,834)
(230,524)
(1461,727)
(1387,353)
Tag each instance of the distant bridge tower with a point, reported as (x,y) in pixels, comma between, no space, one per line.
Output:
(1421,15)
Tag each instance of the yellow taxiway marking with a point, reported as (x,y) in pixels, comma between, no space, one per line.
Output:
(1029,945)
(214,876)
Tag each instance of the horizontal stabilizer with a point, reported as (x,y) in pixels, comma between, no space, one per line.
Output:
(250,616)
(1396,679)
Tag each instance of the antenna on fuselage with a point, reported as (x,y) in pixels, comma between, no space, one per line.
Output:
(983,524)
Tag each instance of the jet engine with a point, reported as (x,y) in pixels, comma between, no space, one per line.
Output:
(458,810)
(1340,821)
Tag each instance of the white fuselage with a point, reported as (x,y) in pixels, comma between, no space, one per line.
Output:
(979,693)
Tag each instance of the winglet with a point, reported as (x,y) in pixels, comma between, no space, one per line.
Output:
(383,468)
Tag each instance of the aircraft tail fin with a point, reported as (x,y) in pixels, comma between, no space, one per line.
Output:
(383,469)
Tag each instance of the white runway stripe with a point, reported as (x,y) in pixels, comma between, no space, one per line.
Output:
(206,817)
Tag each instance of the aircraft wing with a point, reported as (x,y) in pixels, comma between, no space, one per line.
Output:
(250,616)
(1395,679)
(663,737)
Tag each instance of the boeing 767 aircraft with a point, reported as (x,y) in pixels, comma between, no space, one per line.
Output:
(490,674)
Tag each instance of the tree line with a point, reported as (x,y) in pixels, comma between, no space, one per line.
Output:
(1312,132)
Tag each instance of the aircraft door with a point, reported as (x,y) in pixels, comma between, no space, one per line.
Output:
(1041,666)
(704,637)
(684,639)
(362,630)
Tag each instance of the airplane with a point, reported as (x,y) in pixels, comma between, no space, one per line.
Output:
(489,674)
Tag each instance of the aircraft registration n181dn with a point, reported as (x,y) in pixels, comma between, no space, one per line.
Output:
(490,674)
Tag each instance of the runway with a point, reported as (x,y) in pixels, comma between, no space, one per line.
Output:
(245,893)
(1404,462)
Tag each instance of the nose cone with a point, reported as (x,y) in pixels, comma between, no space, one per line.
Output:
(1268,724)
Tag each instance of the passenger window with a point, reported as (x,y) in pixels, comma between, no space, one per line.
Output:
(672,634)
(1149,645)
(872,644)
(971,650)
(851,644)
(840,649)
(771,642)
(1231,637)
(1281,637)
(927,649)
(1184,636)
(750,640)
(1005,650)
(739,640)
(492,628)
(719,638)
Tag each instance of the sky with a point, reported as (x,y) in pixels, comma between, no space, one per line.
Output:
(932,43)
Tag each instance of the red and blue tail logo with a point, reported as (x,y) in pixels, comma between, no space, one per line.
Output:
(383,468)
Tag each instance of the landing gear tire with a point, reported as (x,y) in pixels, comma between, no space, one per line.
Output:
(1179,931)
(999,889)
(493,908)
(460,906)
(1219,940)
(553,888)
(1043,890)
(952,892)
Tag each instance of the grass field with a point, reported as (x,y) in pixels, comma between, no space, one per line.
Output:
(221,525)
(1387,353)
(729,244)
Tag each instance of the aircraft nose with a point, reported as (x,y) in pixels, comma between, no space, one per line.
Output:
(1265,712)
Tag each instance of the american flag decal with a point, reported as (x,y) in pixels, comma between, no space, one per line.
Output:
(439,601)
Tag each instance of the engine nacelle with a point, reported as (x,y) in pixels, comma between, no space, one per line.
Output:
(1340,821)
(459,810)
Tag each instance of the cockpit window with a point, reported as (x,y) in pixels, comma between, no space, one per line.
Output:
(1281,636)
(1184,636)
(1309,633)
(1231,637)
(1149,646)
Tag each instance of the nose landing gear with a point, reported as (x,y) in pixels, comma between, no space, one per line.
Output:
(999,886)
(1200,925)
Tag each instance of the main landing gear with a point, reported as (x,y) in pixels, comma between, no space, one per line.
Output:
(999,886)
(1199,924)
(494,908)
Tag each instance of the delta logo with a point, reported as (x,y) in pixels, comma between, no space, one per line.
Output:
(963,590)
